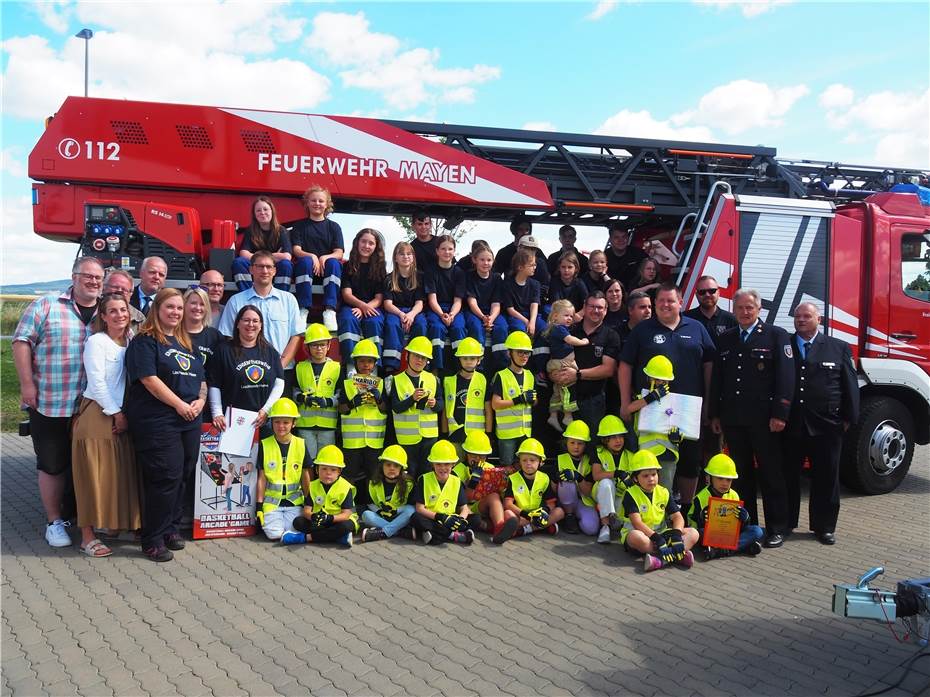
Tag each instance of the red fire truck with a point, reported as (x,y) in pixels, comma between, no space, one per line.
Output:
(125,180)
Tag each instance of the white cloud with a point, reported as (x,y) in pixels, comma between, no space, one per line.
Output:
(405,79)
(539,126)
(749,8)
(54,14)
(12,163)
(836,96)
(602,8)
(641,124)
(744,104)
(26,256)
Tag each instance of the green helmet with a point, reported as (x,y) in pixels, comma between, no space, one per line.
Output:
(477,443)
(317,332)
(395,454)
(284,408)
(469,348)
(611,426)
(531,446)
(659,368)
(518,341)
(330,456)
(578,430)
(421,346)
(443,451)
(721,465)
(643,460)
(365,348)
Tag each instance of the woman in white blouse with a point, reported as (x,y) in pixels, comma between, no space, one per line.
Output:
(106,483)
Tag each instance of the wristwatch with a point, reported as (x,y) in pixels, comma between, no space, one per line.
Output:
(578,375)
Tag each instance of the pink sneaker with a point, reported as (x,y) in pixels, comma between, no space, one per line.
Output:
(688,560)
(651,563)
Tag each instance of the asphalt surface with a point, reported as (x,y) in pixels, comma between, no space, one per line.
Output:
(542,615)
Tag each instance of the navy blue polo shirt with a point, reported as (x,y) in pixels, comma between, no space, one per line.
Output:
(688,346)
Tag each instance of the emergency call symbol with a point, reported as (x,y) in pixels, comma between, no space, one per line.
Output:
(69,148)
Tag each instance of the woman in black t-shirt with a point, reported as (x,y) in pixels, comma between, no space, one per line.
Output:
(245,372)
(167,392)
(204,338)
(360,316)
(265,234)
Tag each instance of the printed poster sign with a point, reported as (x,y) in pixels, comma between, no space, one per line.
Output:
(723,523)
(224,490)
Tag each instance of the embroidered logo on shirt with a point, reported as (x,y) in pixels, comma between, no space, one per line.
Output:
(788,352)
(254,373)
(183,361)
(659,338)
(319,499)
(271,465)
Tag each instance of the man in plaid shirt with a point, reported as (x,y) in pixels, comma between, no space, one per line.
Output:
(47,348)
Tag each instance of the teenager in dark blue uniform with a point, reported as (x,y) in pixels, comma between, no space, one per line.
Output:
(318,248)
(264,234)
(167,393)
(445,291)
(482,311)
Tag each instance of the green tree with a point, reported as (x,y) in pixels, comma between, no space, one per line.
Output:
(436,226)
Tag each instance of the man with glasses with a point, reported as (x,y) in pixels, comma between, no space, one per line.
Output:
(152,275)
(120,282)
(212,281)
(715,319)
(47,350)
(597,362)
(284,324)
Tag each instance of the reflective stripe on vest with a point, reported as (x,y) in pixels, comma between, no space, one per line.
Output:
(529,498)
(321,417)
(376,493)
(331,501)
(282,480)
(651,511)
(703,496)
(414,425)
(474,402)
(363,426)
(441,498)
(517,421)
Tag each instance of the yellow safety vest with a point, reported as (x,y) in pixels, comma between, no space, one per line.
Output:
(651,511)
(282,477)
(441,498)
(474,402)
(414,425)
(376,493)
(609,463)
(516,421)
(364,426)
(703,496)
(529,498)
(657,443)
(330,502)
(565,462)
(321,417)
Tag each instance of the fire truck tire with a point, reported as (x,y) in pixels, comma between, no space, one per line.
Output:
(877,451)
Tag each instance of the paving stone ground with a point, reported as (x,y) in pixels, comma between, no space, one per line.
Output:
(538,616)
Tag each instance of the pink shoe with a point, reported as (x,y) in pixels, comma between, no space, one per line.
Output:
(651,563)
(688,561)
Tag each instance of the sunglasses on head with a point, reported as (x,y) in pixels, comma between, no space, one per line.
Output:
(707,291)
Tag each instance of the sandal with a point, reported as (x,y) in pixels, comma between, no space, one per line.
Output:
(96,548)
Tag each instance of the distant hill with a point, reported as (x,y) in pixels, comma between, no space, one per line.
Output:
(37,288)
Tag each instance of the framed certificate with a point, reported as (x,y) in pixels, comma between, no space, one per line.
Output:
(723,523)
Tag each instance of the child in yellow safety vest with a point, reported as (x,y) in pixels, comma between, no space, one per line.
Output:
(609,471)
(654,525)
(483,483)
(362,405)
(513,394)
(389,491)
(329,509)
(416,400)
(284,472)
(466,410)
(439,497)
(317,380)
(576,481)
(721,470)
(530,498)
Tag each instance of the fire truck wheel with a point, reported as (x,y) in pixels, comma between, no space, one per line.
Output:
(878,450)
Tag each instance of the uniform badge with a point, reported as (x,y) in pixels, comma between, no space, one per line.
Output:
(445,504)
(788,352)
(183,361)
(477,393)
(296,466)
(318,499)
(271,465)
(720,329)
(643,508)
(511,392)
(661,506)
(659,338)
(432,497)
(254,373)
(521,489)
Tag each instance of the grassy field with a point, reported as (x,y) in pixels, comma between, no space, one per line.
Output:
(10,415)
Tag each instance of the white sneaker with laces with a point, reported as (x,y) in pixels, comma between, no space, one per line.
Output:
(604,535)
(329,320)
(56,534)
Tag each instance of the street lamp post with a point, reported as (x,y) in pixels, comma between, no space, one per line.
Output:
(87,35)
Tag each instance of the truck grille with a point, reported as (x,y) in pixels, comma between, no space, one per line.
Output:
(129,132)
(194,137)
(257,141)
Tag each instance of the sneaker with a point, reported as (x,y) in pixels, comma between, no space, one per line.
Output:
(56,533)
(754,548)
(553,421)
(506,531)
(329,320)
(174,542)
(553,529)
(427,537)
(347,540)
(613,522)
(373,535)
(570,525)
(465,537)
(407,533)
(687,562)
(604,535)
(711,553)
(292,537)
(651,563)
(158,554)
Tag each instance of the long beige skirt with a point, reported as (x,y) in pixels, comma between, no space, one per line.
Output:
(106,479)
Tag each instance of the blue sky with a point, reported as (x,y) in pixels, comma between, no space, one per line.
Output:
(832,81)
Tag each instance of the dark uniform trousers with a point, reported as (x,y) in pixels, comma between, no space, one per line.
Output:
(826,395)
(753,383)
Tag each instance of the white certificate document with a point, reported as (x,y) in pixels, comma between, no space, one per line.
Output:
(681,410)
(240,432)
